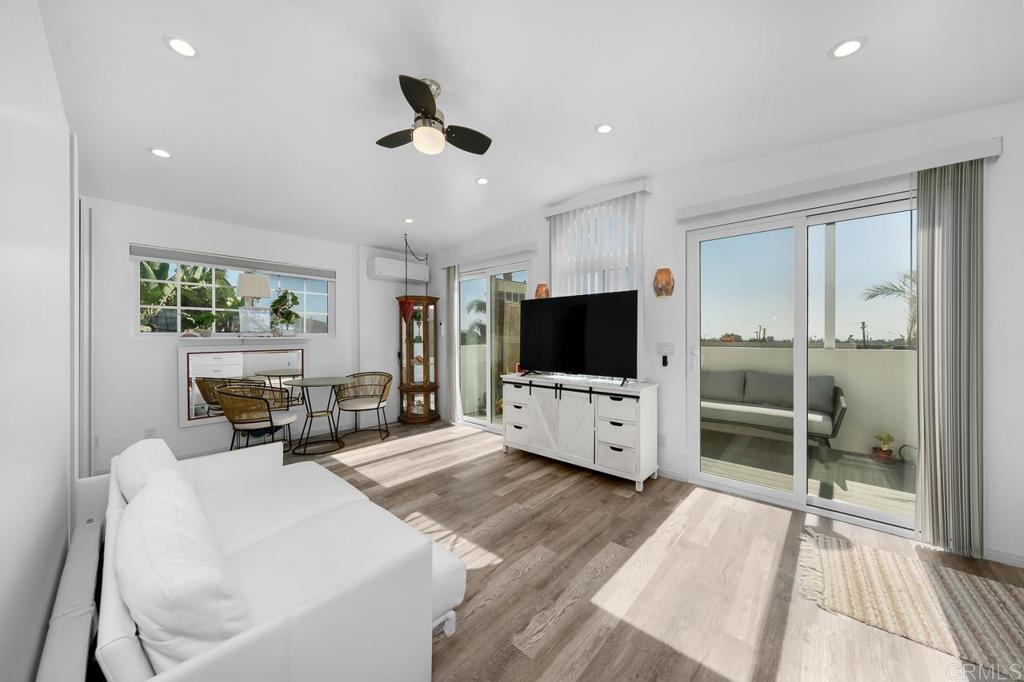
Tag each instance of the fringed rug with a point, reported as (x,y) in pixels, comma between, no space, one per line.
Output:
(973,618)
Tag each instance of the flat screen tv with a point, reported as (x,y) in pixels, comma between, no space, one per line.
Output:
(592,334)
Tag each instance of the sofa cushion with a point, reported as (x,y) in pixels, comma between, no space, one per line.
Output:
(339,548)
(819,393)
(254,507)
(818,423)
(449,575)
(143,462)
(724,386)
(762,388)
(172,577)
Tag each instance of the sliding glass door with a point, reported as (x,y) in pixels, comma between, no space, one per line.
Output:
(489,303)
(802,341)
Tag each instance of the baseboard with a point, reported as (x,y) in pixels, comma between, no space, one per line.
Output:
(674,474)
(1005,557)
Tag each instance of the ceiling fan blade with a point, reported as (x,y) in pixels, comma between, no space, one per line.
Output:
(418,94)
(467,139)
(396,139)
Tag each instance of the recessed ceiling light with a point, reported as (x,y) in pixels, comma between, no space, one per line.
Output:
(162,153)
(181,46)
(603,128)
(482,181)
(846,47)
(407,221)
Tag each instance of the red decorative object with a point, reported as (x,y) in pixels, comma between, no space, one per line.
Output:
(543,291)
(664,282)
(405,308)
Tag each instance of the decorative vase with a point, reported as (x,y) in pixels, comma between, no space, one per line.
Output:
(288,330)
(543,291)
(664,282)
(206,333)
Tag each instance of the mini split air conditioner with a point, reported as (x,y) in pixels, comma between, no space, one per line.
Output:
(383,267)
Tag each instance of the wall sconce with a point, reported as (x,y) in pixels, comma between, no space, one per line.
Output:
(664,282)
(543,291)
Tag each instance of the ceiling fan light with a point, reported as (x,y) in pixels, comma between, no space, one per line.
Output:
(428,140)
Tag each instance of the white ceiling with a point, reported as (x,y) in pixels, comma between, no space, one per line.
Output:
(274,124)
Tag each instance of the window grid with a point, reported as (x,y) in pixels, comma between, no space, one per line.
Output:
(212,286)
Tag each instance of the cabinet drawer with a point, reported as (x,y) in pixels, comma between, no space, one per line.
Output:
(617,457)
(515,393)
(517,434)
(616,432)
(516,413)
(617,408)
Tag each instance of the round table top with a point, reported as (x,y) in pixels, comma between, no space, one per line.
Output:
(283,372)
(315,382)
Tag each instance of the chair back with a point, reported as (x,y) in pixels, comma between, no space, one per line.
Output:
(367,385)
(208,389)
(249,403)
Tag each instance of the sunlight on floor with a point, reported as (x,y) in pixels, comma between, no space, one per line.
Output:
(392,463)
(473,554)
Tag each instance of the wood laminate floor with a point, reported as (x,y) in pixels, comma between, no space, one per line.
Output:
(574,576)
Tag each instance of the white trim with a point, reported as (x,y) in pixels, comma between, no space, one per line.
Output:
(908,165)
(1004,557)
(598,195)
(482,259)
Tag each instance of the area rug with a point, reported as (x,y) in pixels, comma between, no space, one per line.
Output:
(974,618)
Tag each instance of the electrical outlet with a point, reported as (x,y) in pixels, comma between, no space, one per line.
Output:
(662,440)
(149,432)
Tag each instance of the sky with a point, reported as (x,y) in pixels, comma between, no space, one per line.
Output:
(747,280)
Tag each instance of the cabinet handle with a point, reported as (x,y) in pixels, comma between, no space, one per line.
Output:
(614,449)
(615,423)
(616,398)
(517,427)
(518,407)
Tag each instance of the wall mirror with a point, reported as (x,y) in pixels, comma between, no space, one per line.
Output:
(205,370)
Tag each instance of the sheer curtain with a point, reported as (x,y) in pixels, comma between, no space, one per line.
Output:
(949,486)
(597,248)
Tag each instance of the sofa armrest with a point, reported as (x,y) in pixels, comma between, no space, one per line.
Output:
(377,629)
(838,410)
(209,471)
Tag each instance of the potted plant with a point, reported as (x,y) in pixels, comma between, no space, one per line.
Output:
(883,451)
(204,323)
(417,318)
(284,315)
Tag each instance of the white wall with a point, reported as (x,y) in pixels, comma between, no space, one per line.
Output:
(35,212)
(378,326)
(664,244)
(134,376)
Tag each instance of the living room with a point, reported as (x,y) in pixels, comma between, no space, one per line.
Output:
(364,404)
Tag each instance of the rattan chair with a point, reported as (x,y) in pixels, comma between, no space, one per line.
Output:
(208,390)
(256,410)
(369,393)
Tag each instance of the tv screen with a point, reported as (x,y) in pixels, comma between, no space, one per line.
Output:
(592,334)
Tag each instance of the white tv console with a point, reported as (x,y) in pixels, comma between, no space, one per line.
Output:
(594,423)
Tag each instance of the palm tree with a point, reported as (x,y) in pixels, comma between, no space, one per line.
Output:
(904,287)
(476,305)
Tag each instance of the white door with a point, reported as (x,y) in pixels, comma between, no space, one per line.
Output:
(576,427)
(544,421)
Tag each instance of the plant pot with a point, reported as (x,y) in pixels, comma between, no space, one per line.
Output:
(288,330)
(205,333)
(882,456)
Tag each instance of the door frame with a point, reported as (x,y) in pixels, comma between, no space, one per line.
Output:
(487,422)
(800,221)
(798,495)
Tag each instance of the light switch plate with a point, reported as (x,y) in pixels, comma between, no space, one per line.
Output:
(665,348)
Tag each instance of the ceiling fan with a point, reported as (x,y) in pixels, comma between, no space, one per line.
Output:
(428,133)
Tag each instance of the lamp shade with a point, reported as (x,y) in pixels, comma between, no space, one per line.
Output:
(664,282)
(252,284)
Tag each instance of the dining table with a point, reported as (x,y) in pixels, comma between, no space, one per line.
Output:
(307,444)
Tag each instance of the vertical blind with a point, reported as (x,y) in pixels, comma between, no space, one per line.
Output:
(597,248)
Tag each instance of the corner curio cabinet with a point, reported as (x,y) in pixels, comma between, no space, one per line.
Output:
(417,358)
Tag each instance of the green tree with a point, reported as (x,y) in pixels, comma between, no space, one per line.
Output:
(905,287)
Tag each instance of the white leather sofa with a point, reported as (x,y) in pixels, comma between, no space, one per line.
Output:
(234,567)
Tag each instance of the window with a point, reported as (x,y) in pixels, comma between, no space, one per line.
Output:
(597,248)
(190,298)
